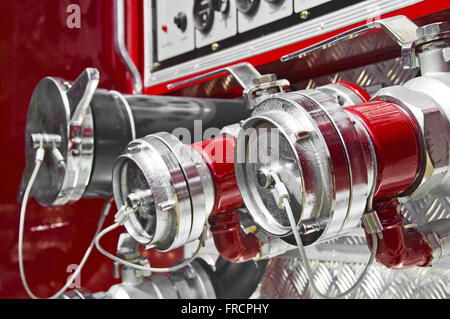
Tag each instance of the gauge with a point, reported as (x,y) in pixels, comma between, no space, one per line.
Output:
(247,6)
(203,14)
(221,5)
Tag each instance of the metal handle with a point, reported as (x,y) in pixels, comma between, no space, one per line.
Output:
(399,28)
(85,86)
(244,73)
(248,78)
(121,48)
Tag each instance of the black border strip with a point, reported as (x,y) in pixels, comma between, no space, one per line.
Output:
(240,38)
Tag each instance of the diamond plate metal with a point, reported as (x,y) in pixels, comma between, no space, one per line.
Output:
(339,262)
(427,209)
(377,75)
(286,278)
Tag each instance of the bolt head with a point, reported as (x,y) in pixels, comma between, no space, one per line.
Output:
(166,206)
(215,46)
(304,15)
(156,65)
(433,29)
(133,200)
(263,178)
(133,149)
(265,78)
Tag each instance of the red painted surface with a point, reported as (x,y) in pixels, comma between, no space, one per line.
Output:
(359,91)
(225,225)
(400,247)
(218,154)
(231,242)
(35,42)
(162,259)
(395,138)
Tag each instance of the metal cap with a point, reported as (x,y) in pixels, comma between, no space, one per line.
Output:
(67,166)
(263,146)
(171,186)
(306,141)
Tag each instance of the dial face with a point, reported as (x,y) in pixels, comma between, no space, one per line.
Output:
(247,6)
(222,5)
(144,220)
(203,15)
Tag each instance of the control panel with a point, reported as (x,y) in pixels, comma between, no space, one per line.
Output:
(188,29)
(302,5)
(174,28)
(184,37)
(256,13)
(214,21)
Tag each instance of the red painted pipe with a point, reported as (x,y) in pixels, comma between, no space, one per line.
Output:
(400,247)
(218,154)
(232,243)
(397,167)
(395,137)
(359,91)
(388,127)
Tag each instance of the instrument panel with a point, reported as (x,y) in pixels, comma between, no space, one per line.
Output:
(199,27)
(190,36)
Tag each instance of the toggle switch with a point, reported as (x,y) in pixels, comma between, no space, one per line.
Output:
(180,21)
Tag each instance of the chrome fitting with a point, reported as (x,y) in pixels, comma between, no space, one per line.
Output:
(372,223)
(46,140)
(437,234)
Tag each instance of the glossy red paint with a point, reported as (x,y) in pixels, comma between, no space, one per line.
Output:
(218,154)
(225,225)
(415,11)
(231,242)
(162,259)
(395,138)
(400,247)
(359,91)
(35,42)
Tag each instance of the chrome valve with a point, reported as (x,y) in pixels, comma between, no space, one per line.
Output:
(305,140)
(170,185)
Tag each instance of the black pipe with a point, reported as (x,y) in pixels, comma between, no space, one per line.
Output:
(114,115)
(165,113)
(236,280)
